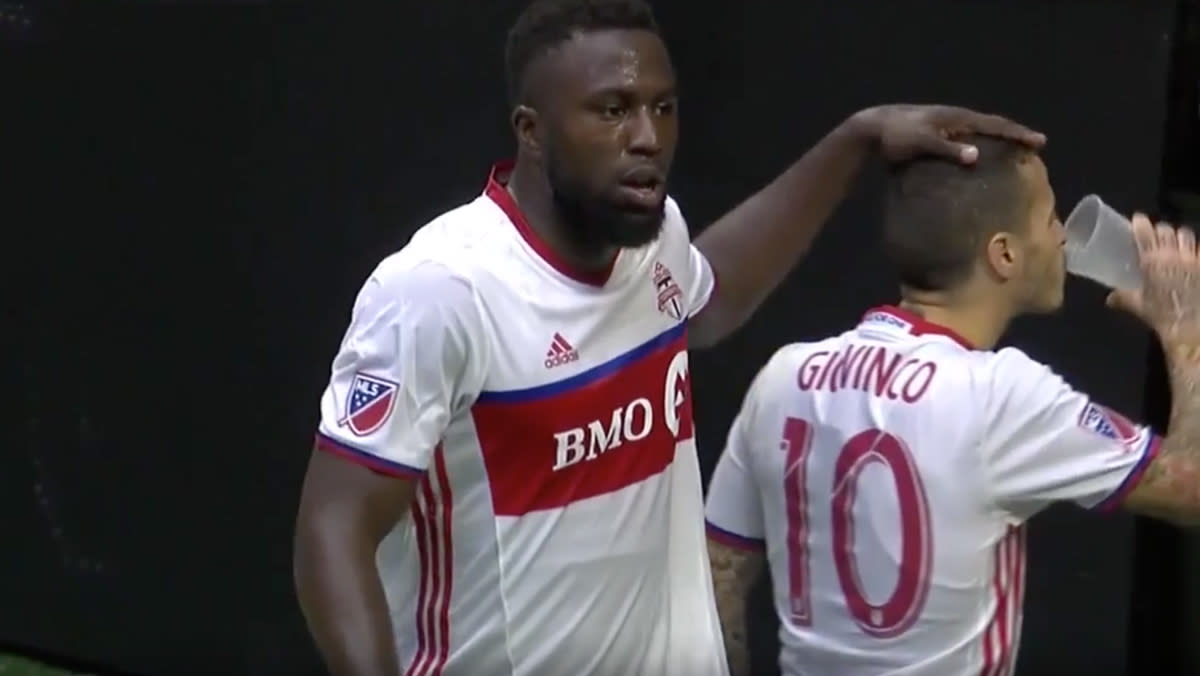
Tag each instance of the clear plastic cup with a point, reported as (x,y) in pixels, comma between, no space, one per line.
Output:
(1100,245)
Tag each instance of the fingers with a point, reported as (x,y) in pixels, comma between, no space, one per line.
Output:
(1144,233)
(1187,242)
(967,154)
(963,152)
(1125,301)
(1166,237)
(997,125)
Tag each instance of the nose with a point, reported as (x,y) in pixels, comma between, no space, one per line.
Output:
(644,133)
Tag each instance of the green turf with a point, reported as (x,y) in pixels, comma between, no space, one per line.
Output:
(19,666)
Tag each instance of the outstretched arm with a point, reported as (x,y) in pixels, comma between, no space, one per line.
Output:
(734,572)
(754,246)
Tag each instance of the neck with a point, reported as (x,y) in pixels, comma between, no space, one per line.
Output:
(981,321)
(531,191)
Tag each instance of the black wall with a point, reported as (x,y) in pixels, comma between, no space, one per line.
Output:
(193,195)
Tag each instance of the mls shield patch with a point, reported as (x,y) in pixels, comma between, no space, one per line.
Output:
(369,405)
(1109,424)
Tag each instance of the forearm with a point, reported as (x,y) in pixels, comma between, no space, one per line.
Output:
(1170,488)
(344,605)
(733,573)
(754,246)
(731,609)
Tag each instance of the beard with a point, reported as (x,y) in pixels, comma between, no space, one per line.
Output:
(596,221)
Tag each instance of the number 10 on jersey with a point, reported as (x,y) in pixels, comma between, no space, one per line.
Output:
(897,613)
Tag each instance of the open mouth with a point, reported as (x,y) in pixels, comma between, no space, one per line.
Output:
(649,186)
(644,184)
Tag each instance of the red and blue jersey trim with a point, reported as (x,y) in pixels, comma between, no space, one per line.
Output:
(337,447)
(731,539)
(1153,445)
(581,380)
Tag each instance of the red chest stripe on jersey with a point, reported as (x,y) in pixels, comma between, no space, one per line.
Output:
(602,430)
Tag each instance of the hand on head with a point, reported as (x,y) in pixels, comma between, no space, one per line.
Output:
(908,131)
(1169,299)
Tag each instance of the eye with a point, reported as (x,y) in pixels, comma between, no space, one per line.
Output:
(665,107)
(612,110)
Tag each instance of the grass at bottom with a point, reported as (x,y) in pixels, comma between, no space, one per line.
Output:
(11,665)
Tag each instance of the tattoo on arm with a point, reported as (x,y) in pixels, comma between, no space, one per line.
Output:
(1170,488)
(734,572)
(1169,302)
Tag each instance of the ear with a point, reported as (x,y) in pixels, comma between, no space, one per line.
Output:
(525,126)
(1003,255)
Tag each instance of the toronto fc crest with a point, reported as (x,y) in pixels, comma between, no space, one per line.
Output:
(670,296)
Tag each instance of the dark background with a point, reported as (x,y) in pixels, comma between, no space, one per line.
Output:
(191,196)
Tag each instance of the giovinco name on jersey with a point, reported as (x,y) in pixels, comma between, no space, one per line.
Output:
(867,368)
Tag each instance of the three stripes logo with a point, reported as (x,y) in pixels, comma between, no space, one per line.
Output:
(560,352)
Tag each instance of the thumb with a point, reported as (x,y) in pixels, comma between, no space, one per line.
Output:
(1125,301)
(965,153)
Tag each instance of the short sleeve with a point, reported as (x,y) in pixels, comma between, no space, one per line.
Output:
(1045,442)
(405,366)
(733,507)
(700,283)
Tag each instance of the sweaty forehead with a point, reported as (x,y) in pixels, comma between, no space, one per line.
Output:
(594,61)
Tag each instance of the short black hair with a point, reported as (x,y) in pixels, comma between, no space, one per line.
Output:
(939,213)
(545,24)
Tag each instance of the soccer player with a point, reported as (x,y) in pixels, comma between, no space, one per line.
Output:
(887,473)
(504,479)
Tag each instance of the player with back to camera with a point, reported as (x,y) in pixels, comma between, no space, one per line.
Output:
(504,479)
(887,473)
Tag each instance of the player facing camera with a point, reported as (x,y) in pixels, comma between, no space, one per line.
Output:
(983,236)
(595,112)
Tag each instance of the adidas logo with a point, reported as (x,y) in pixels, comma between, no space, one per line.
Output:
(560,352)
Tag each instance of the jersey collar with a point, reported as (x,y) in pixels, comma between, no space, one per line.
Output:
(498,193)
(895,318)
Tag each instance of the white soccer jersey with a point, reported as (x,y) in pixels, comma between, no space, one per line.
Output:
(889,471)
(546,412)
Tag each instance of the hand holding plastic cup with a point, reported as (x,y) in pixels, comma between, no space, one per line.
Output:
(1100,245)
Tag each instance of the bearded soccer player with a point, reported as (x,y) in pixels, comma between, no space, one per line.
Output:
(504,479)
(887,473)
